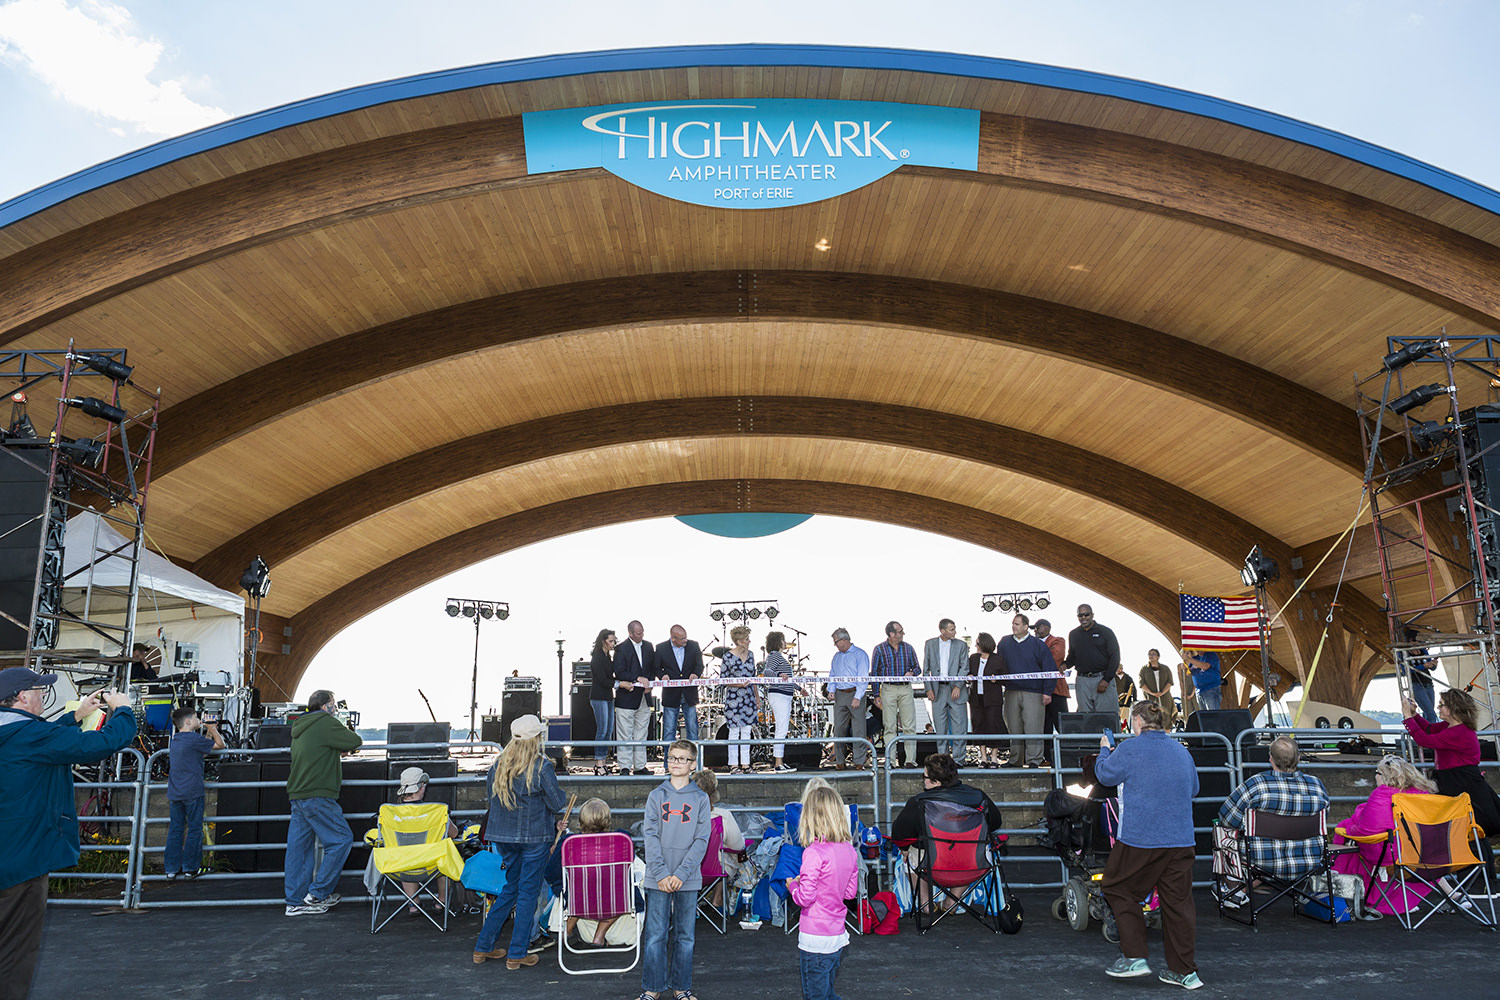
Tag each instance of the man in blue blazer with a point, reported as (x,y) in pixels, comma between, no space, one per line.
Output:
(679,658)
(635,665)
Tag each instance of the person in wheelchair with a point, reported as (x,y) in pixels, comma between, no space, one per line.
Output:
(1288,792)
(939,783)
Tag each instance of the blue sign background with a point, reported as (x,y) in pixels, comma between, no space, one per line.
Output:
(751,153)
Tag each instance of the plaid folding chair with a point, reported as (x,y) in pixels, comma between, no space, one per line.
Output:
(410,844)
(1297,877)
(598,884)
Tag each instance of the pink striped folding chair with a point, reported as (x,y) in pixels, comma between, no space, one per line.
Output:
(598,884)
(714,875)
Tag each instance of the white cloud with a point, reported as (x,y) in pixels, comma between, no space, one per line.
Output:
(92,55)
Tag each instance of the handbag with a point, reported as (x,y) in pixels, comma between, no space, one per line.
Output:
(485,873)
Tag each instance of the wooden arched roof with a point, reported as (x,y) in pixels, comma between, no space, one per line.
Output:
(1123,347)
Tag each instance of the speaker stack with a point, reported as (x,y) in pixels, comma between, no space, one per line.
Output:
(1088,726)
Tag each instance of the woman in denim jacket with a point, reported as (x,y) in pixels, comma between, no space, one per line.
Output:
(526,808)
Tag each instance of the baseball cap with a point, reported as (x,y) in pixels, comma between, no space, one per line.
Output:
(14,680)
(412,779)
(1040,622)
(527,727)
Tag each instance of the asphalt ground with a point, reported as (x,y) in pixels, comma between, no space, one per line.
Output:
(257,953)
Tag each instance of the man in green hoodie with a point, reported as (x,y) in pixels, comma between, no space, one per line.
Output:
(319,739)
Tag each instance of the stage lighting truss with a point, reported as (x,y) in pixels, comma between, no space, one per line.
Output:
(736,611)
(476,610)
(1016,601)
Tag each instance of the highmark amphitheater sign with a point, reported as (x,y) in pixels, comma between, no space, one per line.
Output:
(751,153)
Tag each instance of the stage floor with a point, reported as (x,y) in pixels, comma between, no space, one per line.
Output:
(260,954)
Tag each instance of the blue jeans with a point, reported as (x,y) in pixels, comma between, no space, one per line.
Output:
(669,722)
(321,820)
(667,951)
(818,974)
(1209,698)
(187,818)
(1425,695)
(604,725)
(525,864)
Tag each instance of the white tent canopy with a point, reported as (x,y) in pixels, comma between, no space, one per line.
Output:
(174,606)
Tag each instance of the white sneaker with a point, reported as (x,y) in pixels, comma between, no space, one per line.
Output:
(330,900)
(306,909)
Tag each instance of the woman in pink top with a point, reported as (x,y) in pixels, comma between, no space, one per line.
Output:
(1455,746)
(829,875)
(1373,816)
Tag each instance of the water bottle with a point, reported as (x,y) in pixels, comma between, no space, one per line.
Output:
(748,921)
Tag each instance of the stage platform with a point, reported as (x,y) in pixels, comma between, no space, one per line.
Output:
(260,954)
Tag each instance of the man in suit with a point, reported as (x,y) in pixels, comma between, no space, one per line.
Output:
(945,659)
(679,658)
(635,665)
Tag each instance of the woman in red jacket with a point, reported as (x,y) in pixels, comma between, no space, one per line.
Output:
(1455,746)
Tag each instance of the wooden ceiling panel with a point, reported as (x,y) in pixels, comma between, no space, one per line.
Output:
(349,554)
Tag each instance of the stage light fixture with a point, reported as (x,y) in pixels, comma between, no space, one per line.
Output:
(256,580)
(1417,397)
(1428,434)
(1043,603)
(717,614)
(1259,569)
(452,609)
(503,613)
(1024,604)
(96,407)
(755,612)
(987,606)
(19,396)
(486,611)
(772,612)
(1006,604)
(108,367)
(469,610)
(734,614)
(1408,354)
(84,452)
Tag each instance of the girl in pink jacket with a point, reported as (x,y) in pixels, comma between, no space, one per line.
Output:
(829,875)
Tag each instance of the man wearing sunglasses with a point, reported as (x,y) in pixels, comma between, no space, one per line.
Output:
(1094,652)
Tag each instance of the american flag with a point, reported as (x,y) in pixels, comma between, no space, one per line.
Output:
(1219,622)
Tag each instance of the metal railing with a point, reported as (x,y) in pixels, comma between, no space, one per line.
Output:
(880,808)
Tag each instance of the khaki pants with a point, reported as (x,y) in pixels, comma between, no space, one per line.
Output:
(898,711)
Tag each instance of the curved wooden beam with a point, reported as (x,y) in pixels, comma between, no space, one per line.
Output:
(1164,504)
(217,219)
(1275,404)
(318,623)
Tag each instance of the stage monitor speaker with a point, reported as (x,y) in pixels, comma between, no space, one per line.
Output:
(23,499)
(1087,723)
(583,716)
(417,732)
(1227,722)
(805,756)
(489,729)
(273,736)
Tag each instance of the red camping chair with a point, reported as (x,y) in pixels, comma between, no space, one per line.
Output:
(955,860)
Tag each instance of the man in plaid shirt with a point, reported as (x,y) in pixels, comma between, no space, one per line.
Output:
(897,660)
(1286,791)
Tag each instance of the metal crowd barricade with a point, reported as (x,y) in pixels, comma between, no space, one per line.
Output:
(129,848)
(800,777)
(208,899)
(1400,744)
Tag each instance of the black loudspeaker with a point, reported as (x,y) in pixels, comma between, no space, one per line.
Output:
(273,802)
(1227,722)
(805,756)
(23,499)
(360,803)
(238,802)
(417,732)
(489,729)
(513,705)
(1213,784)
(583,715)
(718,756)
(1088,727)
(274,736)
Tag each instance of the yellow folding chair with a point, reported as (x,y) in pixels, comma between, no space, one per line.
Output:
(1437,846)
(411,844)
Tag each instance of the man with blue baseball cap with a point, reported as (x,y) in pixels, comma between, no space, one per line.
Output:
(39,826)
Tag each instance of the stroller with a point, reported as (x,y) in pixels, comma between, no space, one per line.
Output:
(1081,831)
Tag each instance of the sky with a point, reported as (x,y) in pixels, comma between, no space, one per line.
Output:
(83,81)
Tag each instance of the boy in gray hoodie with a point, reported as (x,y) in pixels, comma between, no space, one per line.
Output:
(676,827)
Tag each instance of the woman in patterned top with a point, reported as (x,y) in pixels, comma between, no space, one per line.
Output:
(738,664)
(779,696)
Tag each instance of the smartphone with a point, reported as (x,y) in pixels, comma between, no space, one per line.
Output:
(1109,737)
